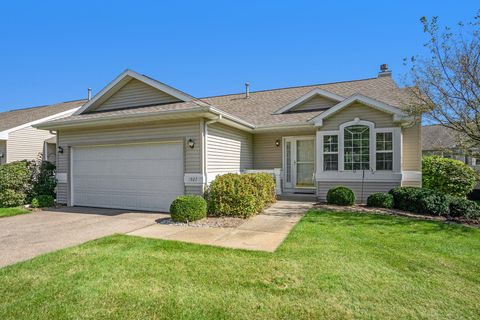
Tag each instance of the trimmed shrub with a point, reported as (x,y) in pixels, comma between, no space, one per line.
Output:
(14,183)
(240,195)
(380,200)
(447,176)
(11,198)
(341,196)
(461,207)
(420,200)
(188,208)
(43,201)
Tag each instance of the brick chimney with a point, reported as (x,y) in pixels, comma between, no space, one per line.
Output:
(384,71)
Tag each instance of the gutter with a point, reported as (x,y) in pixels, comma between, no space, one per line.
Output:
(56,125)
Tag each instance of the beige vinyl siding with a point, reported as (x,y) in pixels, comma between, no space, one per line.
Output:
(26,143)
(411,183)
(316,102)
(412,148)
(381,119)
(134,94)
(266,155)
(228,149)
(3,150)
(160,131)
(356,186)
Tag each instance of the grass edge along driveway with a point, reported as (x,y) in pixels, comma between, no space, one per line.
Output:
(333,265)
(10,212)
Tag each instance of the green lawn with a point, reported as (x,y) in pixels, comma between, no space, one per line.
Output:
(332,266)
(8,212)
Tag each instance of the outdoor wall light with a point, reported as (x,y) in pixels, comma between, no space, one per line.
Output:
(277,143)
(60,149)
(191,143)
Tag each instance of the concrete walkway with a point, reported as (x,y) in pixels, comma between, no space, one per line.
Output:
(264,232)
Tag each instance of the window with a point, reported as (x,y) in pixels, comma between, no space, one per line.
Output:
(357,147)
(384,150)
(330,153)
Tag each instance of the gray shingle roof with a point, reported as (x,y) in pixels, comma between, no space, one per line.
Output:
(15,118)
(259,108)
(437,137)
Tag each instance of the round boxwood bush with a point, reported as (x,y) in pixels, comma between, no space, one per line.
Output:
(340,195)
(380,200)
(447,176)
(188,208)
(43,201)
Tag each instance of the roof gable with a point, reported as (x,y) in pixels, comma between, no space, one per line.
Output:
(316,99)
(398,114)
(131,89)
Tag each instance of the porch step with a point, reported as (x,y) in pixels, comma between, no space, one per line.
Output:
(298,197)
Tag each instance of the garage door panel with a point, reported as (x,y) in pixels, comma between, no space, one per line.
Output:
(122,168)
(143,176)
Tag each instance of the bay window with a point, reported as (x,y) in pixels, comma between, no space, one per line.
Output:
(358,146)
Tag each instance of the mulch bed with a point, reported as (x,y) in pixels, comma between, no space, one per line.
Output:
(363,208)
(208,222)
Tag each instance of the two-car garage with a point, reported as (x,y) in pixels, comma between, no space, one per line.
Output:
(140,176)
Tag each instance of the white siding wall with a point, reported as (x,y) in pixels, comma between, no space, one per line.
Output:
(133,94)
(160,131)
(26,143)
(228,150)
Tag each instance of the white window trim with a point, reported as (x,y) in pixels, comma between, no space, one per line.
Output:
(355,175)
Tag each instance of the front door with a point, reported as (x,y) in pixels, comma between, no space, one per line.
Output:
(299,163)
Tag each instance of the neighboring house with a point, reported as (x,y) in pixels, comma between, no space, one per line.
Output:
(140,143)
(19,140)
(441,141)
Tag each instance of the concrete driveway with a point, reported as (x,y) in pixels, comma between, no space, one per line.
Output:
(26,236)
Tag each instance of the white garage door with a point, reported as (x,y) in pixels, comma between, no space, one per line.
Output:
(130,176)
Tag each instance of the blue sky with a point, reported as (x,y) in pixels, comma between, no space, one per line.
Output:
(52,51)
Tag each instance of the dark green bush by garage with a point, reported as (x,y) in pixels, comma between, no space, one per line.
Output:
(43,201)
(188,208)
(240,195)
(380,200)
(420,200)
(341,196)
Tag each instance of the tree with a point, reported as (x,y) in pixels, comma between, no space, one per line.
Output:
(444,86)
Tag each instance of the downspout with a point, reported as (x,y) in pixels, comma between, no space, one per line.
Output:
(205,150)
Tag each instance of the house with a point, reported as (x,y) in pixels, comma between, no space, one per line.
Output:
(445,142)
(19,140)
(139,143)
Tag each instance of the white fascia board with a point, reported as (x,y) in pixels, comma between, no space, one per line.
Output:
(36,122)
(134,75)
(231,117)
(318,120)
(119,119)
(308,95)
